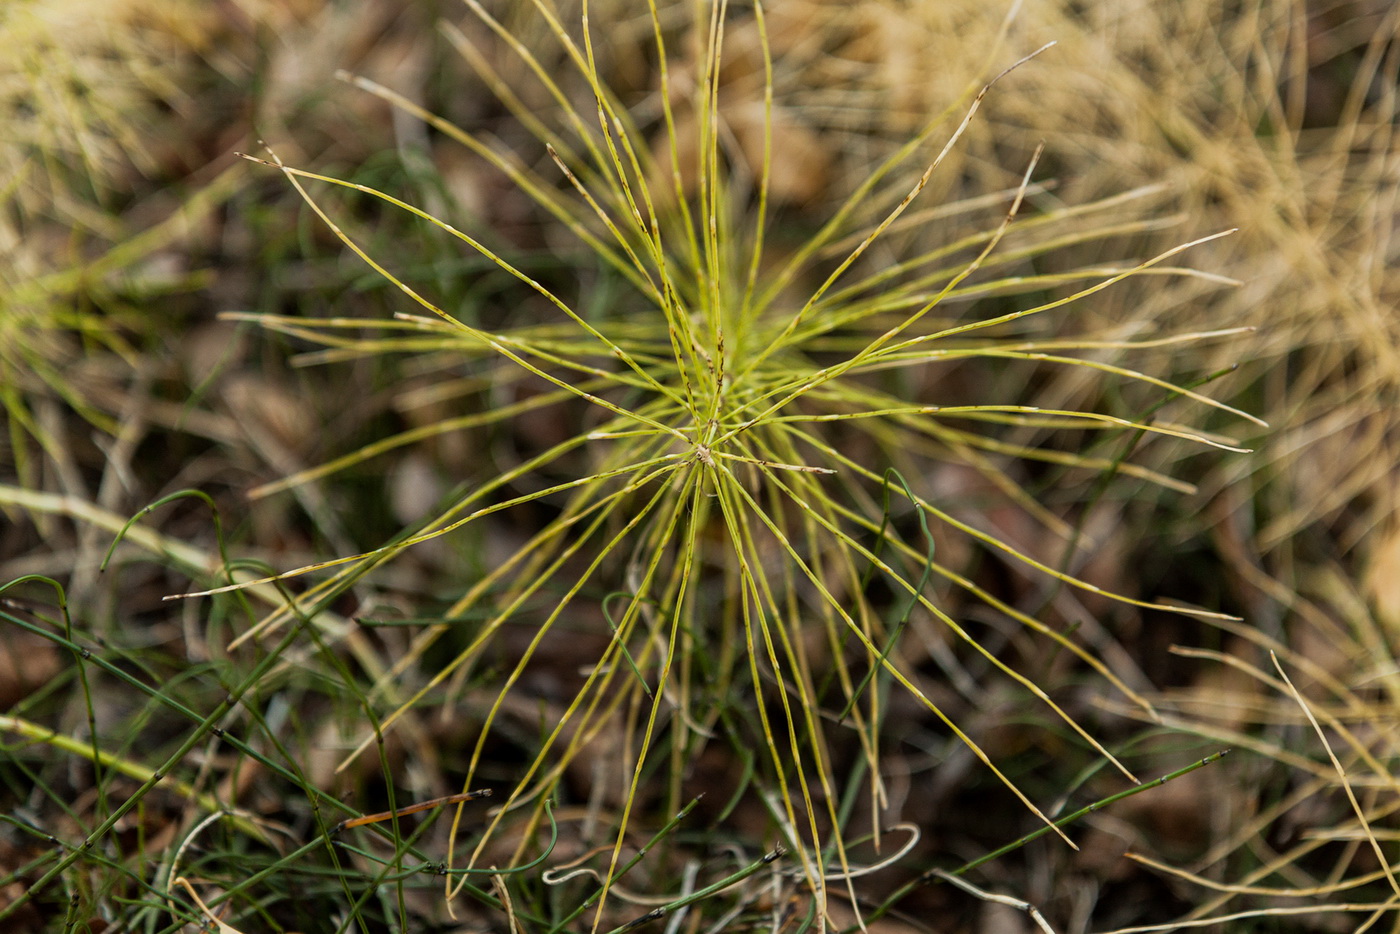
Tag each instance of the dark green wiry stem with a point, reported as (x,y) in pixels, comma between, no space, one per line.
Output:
(931,876)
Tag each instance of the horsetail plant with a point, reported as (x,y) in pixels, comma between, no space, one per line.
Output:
(743,408)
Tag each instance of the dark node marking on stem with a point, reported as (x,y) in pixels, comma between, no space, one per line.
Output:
(649,916)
